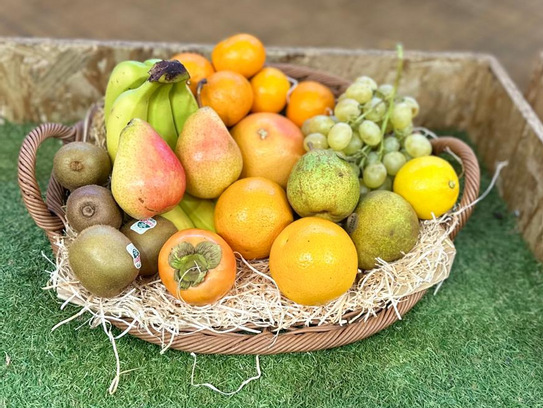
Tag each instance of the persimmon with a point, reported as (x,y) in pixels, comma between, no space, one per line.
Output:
(197,266)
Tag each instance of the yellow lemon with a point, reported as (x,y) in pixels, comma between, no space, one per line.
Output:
(429,184)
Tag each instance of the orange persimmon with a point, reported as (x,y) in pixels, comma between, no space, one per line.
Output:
(197,266)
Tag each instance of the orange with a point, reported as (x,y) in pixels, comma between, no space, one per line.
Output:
(197,65)
(229,94)
(309,99)
(313,261)
(270,88)
(241,53)
(250,214)
(270,145)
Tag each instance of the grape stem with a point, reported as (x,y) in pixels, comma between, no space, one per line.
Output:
(361,118)
(399,70)
(364,154)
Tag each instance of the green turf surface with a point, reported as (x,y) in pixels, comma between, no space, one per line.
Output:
(478,343)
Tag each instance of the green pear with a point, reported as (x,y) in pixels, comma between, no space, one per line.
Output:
(211,158)
(383,225)
(323,185)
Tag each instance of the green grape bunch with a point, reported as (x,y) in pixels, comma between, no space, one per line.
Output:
(372,128)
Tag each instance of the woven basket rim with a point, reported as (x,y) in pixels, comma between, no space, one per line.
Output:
(50,217)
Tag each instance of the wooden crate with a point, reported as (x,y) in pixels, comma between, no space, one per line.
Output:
(534,93)
(57,80)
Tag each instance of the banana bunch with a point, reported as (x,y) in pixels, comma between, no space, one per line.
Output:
(200,211)
(179,218)
(155,91)
(192,212)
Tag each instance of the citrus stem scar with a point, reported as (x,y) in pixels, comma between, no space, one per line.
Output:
(452,184)
(262,133)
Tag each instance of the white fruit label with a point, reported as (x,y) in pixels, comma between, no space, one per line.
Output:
(144,225)
(135,254)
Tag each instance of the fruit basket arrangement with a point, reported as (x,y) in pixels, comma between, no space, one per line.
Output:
(248,209)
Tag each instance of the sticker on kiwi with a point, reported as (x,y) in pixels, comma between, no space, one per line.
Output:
(142,226)
(135,254)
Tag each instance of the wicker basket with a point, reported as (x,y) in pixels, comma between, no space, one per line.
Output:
(50,216)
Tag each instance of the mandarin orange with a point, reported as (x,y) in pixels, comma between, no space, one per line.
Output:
(309,99)
(229,94)
(241,53)
(270,89)
(197,65)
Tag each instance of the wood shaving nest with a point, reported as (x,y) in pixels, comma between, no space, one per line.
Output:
(255,302)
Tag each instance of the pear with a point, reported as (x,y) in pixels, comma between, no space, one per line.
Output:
(323,185)
(383,225)
(147,178)
(210,156)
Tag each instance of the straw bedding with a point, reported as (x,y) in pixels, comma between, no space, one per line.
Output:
(255,302)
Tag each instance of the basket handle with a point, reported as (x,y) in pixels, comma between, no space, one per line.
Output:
(472,175)
(47,217)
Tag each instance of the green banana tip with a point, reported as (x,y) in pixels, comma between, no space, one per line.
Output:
(168,72)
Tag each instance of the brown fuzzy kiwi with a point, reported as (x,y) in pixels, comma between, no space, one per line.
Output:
(149,236)
(104,260)
(92,205)
(79,164)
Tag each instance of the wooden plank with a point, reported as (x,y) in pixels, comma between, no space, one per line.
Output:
(57,80)
(534,93)
(511,29)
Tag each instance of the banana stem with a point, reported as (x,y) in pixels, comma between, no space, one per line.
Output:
(168,72)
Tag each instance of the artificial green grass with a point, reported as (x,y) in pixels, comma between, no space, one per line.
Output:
(478,343)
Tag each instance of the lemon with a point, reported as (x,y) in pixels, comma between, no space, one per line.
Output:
(429,184)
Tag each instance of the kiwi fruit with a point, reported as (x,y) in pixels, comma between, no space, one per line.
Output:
(92,205)
(104,260)
(149,236)
(79,164)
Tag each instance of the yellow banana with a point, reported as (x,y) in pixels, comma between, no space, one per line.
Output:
(183,104)
(151,62)
(160,115)
(134,103)
(126,75)
(200,211)
(129,105)
(179,218)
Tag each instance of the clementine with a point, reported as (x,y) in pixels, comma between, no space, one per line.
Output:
(250,214)
(197,65)
(229,94)
(270,145)
(309,99)
(270,89)
(241,53)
